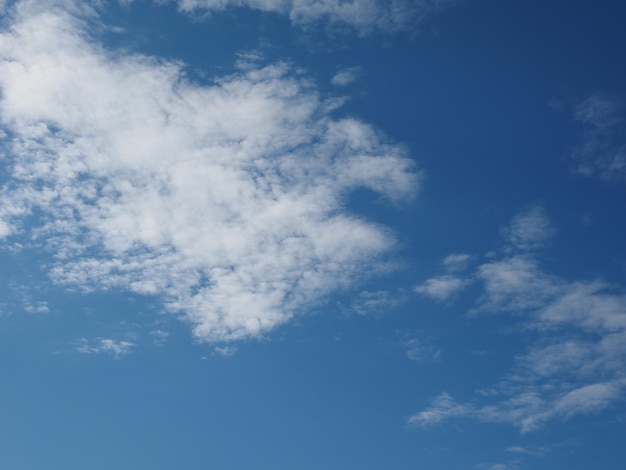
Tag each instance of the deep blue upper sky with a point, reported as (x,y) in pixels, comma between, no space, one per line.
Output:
(312,235)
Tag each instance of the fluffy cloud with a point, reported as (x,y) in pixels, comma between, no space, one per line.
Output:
(576,361)
(224,200)
(364,16)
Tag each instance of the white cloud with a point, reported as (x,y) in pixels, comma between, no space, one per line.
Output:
(346,76)
(603,149)
(576,361)
(224,200)
(116,348)
(443,287)
(364,16)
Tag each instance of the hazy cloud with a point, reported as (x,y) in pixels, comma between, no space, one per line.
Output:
(603,149)
(529,229)
(346,76)
(456,261)
(420,350)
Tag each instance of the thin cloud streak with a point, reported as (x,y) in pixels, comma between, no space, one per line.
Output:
(225,201)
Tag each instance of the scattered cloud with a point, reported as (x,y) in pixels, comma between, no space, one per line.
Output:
(364,16)
(37,307)
(446,286)
(576,360)
(346,76)
(223,200)
(117,349)
(25,296)
(602,152)
(159,337)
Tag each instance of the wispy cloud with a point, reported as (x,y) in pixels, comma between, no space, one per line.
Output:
(603,149)
(536,452)
(442,408)
(530,229)
(159,337)
(223,200)
(576,361)
(115,348)
(364,16)
(420,349)
(498,466)
(456,261)
(225,351)
(346,76)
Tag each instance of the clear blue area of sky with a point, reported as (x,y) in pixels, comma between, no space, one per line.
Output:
(481,97)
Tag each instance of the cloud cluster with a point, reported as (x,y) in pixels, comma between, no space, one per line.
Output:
(577,361)
(224,200)
(364,16)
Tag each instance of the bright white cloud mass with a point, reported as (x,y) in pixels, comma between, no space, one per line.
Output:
(225,200)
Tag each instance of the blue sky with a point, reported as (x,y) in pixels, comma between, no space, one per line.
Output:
(309,234)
